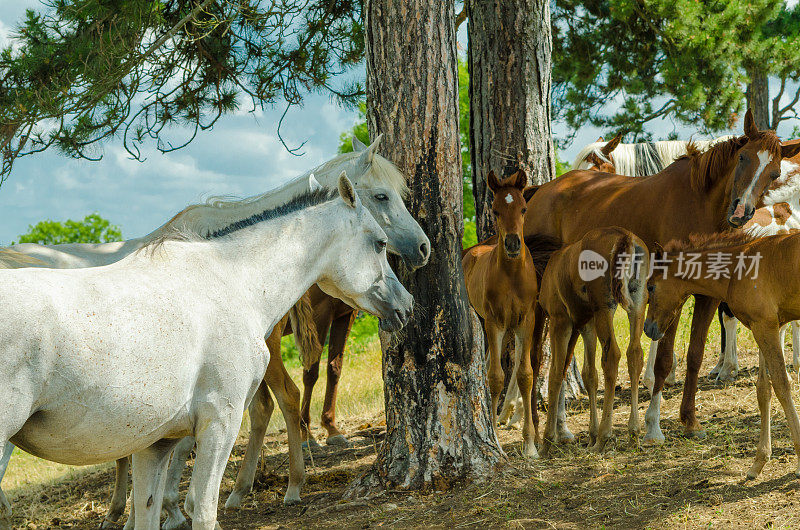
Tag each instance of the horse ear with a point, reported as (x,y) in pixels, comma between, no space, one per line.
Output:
(347,192)
(600,139)
(313,183)
(750,129)
(358,145)
(368,154)
(528,192)
(790,151)
(520,180)
(492,181)
(610,146)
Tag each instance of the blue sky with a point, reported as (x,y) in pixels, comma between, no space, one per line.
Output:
(240,156)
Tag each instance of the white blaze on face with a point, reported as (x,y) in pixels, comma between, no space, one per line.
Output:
(509,198)
(764,158)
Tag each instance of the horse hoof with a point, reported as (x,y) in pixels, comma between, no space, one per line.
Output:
(291,501)
(174,524)
(653,439)
(338,440)
(234,501)
(697,434)
(312,443)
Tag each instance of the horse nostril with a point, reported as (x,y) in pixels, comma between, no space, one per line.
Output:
(423,249)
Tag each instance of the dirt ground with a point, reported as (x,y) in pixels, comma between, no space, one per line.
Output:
(685,483)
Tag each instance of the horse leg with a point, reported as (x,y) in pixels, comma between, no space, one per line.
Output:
(496,377)
(5,506)
(649,377)
(722,318)
(796,345)
(288,397)
(604,324)
(634,357)
(730,364)
(704,310)
(149,479)
(589,374)
(180,455)
(524,373)
(340,329)
(767,338)
(510,404)
(539,327)
(560,331)
(310,377)
(764,395)
(214,444)
(260,411)
(662,366)
(120,496)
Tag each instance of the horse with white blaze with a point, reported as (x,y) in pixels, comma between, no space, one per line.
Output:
(104,362)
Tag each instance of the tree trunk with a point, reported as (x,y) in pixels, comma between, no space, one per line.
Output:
(509,68)
(438,422)
(758,97)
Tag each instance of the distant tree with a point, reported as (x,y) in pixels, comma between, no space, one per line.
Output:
(619,64)
(84,71)
(93,229)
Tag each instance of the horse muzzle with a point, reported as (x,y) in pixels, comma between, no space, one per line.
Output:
(651,330)
(513,245)
(395,321)
(739,213)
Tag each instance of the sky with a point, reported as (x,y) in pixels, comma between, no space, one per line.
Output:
(240,156)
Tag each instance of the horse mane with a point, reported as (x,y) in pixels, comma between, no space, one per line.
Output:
(178,232)
(707,242)
(708,165)
(541,248)
(643,158)
(13,259)
(381,171)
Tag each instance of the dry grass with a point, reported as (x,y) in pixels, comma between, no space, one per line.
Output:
(682,484)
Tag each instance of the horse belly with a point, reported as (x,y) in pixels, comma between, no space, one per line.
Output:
(101,426)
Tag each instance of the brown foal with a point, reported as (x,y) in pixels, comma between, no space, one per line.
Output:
(701,192)
(502,288)
(763,300)
(580,296)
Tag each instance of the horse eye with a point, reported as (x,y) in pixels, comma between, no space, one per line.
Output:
(651,288)
(524,210)
(775,175)
(494,212)
(741,157)
(380,246)
(381,197)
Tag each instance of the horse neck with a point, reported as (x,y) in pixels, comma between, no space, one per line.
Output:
(700,284)
(281,259)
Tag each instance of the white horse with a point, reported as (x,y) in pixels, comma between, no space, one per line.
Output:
(104,362)
(381,187)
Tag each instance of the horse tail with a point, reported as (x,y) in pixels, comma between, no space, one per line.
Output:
(13,259)
(541,248)
(304,327)
(630,267)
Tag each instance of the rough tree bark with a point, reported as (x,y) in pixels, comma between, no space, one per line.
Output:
(758,97)
(509,68)
(438,425)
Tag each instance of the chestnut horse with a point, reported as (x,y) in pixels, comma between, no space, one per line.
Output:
(764,299)
(700,192)
(580,298)
(502,288)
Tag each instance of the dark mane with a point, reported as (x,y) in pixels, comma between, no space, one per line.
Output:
(706,242)
(708,166)
(296,203)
